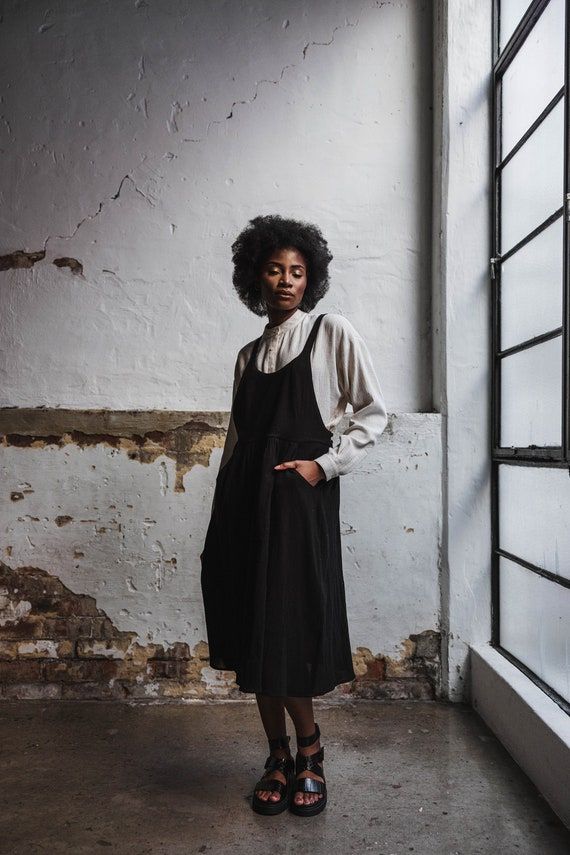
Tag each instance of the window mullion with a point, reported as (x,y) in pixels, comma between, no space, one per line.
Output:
(566,253)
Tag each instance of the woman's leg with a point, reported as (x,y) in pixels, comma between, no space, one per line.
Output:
(301,712)
(272,712)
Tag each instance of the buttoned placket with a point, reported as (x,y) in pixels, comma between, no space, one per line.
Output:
(272,349)
(274,336)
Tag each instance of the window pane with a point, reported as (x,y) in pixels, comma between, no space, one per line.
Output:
(534,76)
(532,182)
(531,396)
(534,507)
(531,288)
(535,624)
(511,11)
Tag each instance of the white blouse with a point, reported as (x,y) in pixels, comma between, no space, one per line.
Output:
(343,373)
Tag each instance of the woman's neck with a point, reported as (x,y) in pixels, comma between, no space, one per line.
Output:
(276,319)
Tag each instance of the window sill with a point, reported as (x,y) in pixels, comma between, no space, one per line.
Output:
(532,727)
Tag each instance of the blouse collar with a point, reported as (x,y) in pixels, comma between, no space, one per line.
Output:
(284,326)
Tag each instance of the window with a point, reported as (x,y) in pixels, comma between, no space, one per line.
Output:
(530,387)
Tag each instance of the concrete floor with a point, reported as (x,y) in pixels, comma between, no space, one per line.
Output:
(422,777)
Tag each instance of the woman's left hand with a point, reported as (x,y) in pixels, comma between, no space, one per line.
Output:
(308,469)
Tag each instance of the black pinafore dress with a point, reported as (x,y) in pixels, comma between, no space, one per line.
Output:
(272,578)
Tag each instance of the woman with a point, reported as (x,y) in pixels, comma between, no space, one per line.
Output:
(272,579)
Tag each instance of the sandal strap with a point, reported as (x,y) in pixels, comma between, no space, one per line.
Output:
(270,784)
(279,742)
(310,785)
(305,741)
(279,764)
(310,762)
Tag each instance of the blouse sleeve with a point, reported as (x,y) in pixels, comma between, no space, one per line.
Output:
(231,435)
(359,386)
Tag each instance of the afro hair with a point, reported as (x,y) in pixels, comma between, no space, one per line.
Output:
(264,235)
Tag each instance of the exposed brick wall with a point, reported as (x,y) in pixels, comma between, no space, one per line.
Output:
(58,644)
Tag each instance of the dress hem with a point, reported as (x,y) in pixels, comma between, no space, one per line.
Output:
(314,694)
(340,679)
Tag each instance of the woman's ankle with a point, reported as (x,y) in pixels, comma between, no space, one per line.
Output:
(309,749)
(280,752)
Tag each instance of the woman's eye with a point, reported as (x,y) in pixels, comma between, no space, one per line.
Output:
(273,271)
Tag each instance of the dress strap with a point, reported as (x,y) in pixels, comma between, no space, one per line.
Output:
(254,350)
(306,349)
(312,335)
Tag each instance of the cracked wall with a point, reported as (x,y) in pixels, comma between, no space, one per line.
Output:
(131,164)
(115,535)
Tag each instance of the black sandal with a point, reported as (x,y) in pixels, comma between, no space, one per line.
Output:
(286,766)
(311,763)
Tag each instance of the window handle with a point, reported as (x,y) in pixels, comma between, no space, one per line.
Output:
(493,262)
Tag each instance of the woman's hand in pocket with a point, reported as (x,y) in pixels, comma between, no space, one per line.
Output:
(308,469)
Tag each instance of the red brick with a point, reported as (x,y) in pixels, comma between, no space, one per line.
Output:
(179,650)
(107,630)
(86,670)
(77,607)
(92,648)
(28,627)
(47,605)
(79,627)
(21,671)
(157,668)
(8,649)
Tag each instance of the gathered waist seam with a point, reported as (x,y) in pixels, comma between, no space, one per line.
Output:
(284,438)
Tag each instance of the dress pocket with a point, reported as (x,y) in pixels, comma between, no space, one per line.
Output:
(303,479)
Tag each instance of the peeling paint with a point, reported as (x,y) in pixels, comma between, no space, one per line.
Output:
(12,611)
(65,646)
(186,438)
(20,259)
(58,638)
(74,265)
(416,674)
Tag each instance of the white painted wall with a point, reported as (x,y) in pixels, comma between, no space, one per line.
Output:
(140,140)
(461,323)
(331,121)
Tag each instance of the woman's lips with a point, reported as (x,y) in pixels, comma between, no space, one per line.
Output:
(283,295)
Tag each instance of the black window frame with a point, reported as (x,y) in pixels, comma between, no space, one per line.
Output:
(549,456)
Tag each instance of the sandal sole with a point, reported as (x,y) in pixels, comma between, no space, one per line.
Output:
(308,810)
(270,808)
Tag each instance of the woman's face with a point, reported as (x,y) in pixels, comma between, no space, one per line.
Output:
(284,279)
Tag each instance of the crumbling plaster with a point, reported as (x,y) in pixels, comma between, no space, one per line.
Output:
(114,526)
